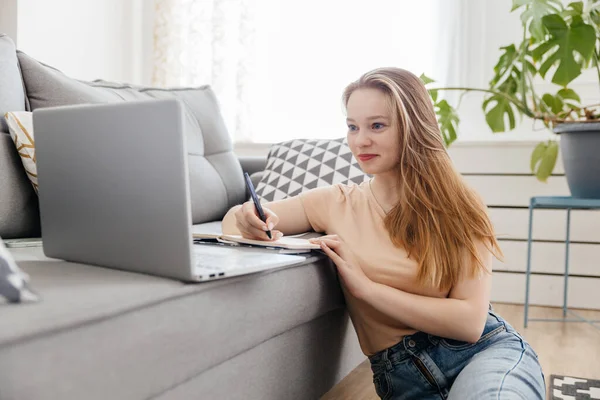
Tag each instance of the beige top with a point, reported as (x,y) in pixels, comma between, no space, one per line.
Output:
(352,213)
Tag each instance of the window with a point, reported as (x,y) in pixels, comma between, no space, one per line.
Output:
(308,51)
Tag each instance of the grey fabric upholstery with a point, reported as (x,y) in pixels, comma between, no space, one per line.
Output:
(148,335)
(19,215)
(48,87)
(256,177)
(305,359)
(216,180)
(253,164)
(18,201)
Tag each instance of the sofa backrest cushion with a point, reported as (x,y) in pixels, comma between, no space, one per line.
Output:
(216,180)
(18,201)
(19,215)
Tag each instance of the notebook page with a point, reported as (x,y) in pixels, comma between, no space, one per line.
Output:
(284,243)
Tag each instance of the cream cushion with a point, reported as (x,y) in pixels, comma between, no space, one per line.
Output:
(20,126)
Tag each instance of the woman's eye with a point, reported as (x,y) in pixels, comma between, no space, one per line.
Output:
(377,125)
(352,127)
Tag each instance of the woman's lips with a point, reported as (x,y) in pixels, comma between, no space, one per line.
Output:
(366,157)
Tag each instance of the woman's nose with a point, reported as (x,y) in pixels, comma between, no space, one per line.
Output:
(363,139)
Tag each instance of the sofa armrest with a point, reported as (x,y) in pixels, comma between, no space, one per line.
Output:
(252,164)
(256,177)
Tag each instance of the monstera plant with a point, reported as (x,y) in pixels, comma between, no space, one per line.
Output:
(558,43)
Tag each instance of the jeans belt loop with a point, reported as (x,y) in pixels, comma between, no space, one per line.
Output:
(386,360)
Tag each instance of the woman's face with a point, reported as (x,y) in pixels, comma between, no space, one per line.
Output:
(372,136)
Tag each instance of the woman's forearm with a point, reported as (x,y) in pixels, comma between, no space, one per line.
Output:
(446,317)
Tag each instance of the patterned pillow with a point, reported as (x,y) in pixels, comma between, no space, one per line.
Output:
(20,126)
(298,165)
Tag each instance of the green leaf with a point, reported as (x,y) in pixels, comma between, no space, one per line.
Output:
(574,9)
(507,59)
(534,12)
(577,6)
(495,115)
(518,3)
(569,97)
(560,48)
(537,155)
(568,94)
(539,52)
(448,121)
(434,94)
(595,15)
(425,79)
(543,159)
(553,102)
(505,63)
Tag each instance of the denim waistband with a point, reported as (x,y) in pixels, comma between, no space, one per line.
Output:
(418,341)
(410,344)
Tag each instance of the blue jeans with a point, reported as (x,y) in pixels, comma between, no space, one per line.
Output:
(501,365)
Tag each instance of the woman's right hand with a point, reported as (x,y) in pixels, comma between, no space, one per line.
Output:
(251,226)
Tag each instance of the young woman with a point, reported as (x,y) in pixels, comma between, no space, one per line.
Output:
(413,247)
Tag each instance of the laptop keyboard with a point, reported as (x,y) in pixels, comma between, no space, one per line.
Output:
(216,258)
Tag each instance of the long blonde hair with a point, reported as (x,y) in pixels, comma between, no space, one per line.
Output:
(438,216)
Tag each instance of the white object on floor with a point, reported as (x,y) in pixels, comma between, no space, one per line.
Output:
(568,381)
(594,392)
(558,394)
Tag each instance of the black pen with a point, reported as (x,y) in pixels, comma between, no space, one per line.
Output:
(261,213)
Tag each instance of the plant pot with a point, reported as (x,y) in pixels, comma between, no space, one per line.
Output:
(580,150)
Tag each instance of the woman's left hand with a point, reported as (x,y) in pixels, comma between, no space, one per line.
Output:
(354,278)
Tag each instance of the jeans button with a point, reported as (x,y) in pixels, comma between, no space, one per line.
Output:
(411,343)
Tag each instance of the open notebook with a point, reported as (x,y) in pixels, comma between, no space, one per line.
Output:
(212,230)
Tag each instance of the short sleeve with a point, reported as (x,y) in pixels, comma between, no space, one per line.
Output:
(320,204)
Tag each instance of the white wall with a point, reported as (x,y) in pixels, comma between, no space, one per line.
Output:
(89,39)
(8,18)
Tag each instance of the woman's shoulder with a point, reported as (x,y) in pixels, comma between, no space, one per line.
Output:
(339,192)
(353,189)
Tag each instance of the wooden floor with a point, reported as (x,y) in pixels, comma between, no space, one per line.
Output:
(564,348)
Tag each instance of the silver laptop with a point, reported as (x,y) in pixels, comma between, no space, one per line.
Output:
(114,192)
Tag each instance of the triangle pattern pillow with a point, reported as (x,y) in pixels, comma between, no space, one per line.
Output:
(302,164)
(20,126)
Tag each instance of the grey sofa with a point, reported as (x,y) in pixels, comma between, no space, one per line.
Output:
(108,334)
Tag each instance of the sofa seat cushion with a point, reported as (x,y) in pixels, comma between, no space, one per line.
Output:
(126,335)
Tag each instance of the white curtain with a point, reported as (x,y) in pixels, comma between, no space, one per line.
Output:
(198,42)
(279,66)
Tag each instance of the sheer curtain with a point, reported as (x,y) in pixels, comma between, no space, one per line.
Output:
(279,67)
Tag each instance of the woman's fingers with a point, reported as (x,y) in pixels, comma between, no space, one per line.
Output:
(251,232)
(325,237)
(272,219)
(336,245)
(332,254)
(250,215)
(331,243)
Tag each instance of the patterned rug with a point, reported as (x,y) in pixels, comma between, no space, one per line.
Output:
(572,388)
